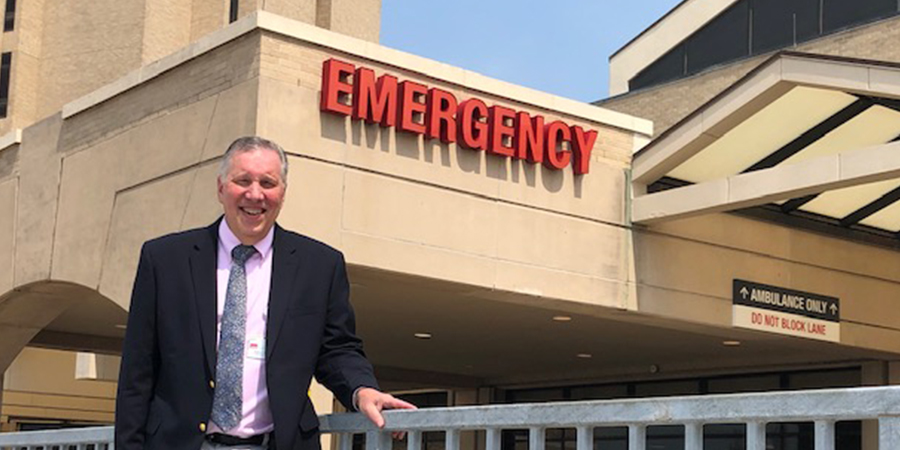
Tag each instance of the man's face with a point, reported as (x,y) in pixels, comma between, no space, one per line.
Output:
(251,192)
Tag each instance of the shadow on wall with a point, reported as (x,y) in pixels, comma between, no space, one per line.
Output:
(434,151)
(60,315)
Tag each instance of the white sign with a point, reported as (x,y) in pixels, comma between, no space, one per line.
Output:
(785,323)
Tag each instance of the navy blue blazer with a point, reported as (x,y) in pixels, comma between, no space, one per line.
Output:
(165,389)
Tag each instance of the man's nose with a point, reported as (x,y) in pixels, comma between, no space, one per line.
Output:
(255,192)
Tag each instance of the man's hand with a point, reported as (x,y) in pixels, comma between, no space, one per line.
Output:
(371,402)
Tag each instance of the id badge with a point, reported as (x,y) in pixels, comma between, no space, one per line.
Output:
(256,347)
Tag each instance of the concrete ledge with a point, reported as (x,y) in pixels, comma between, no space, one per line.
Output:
(14,137)
(778,183)
(346,44)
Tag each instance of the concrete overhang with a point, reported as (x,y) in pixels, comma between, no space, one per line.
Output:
(663,35)
(807,134)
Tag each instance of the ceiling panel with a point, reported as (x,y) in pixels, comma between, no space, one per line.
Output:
(840,203)
(771,128)
(886,219)
(874,126)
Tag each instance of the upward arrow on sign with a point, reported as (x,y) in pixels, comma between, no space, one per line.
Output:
(745,292)
(833,309)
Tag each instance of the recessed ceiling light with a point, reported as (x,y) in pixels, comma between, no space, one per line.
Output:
(584,356)
(562,318)
(120,326)
(422,335)
(731,343)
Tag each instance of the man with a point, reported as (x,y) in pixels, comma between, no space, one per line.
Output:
(229,323)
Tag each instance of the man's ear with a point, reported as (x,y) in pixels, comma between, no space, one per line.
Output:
(219,188)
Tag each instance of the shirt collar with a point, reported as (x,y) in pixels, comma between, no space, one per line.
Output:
(229,241)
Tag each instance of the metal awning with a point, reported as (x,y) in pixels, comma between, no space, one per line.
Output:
(809,136)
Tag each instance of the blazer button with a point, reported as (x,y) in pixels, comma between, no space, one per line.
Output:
(212,384)
(203,427)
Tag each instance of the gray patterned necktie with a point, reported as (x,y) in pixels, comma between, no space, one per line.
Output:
(228,395)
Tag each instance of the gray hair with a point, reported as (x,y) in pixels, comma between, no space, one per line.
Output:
(250,143)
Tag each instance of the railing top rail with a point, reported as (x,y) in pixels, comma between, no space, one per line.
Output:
(57,437)
(797,406)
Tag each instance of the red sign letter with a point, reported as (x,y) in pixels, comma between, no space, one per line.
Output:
(410,109)
(499,130)
(473,132)
(335,91)
(530,138)
(441,108)
(556,133)
(375,102)
(583,145)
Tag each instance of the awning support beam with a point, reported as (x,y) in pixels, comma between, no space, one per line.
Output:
(783,182)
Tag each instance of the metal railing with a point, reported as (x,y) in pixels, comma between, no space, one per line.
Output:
(94,438)
(821,407)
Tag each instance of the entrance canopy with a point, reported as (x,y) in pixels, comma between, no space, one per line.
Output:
(807,136)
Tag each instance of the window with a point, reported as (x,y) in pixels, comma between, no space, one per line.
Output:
(5,64)
(9,19)
(778,24)
(840,14)
(754,27)
(233,11)
(722,40)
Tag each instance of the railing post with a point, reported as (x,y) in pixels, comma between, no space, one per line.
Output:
(492,439)
(637,437)
(756,436)
(584,438)
(693,436)
(414,440)
(378,440)
(824,435)
(888,432)
(536,438)
(345,441)
(451,440)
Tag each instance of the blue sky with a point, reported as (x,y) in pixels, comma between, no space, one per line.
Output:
(561,46)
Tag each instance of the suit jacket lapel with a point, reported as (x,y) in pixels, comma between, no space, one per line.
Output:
(203,274)
(284,275)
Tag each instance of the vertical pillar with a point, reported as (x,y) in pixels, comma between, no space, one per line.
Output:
(323,400)
(536,438)
(492,439)
(693,436)
(756,436)
(637,437)
(584,438)
(824,435)
(888,433)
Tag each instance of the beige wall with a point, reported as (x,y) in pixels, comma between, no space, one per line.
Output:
(668,103)
(133,161)
(688,266)
(40,385)
(66,49)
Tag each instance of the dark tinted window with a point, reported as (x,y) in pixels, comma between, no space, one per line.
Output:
(9,17)
(782,23)
(233,11)
(667,68)
(724,39)
(843,13)
(756,27)
(5,65)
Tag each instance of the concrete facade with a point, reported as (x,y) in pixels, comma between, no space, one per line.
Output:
(525,277)
(137,159)
(64,50)
(668,103)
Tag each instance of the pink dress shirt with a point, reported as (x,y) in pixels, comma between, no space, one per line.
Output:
(257,415)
